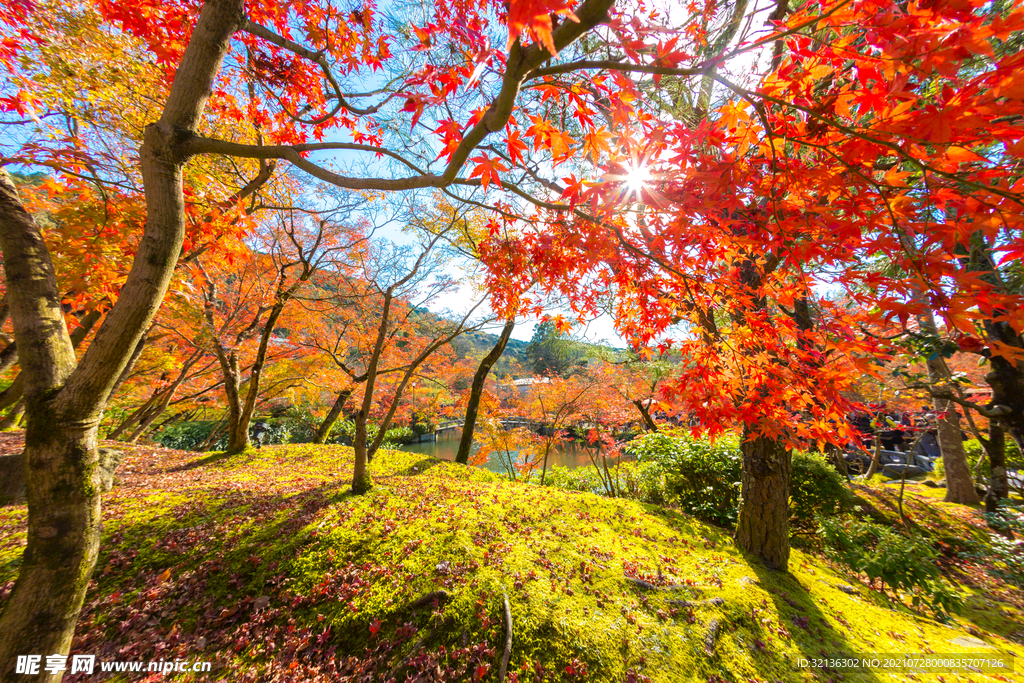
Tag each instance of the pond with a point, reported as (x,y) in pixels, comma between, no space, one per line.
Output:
(570,454)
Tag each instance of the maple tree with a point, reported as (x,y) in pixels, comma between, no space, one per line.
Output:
(874,124)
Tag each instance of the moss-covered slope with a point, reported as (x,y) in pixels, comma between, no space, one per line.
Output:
(266,566)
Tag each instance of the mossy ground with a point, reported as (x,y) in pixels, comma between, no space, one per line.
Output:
(277,572)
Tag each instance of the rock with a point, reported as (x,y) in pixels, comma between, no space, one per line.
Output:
(849,590)
(713,602)
(261,602)
(930,484)
(747,581)
(942,484)
(109,460)
(709,638)
(968,641)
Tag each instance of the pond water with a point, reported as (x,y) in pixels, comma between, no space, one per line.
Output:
(570,454)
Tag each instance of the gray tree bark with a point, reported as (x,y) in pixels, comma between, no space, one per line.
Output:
(64,399)
(477,390)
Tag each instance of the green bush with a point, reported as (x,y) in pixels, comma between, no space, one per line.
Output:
(572,479)
(345,431)
(644,481)
(973,450)
(704,478)
(189,436)
(900,562)
(816,489)
(701,477)
(1004,558)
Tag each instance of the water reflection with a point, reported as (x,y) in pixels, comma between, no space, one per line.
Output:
(569,454)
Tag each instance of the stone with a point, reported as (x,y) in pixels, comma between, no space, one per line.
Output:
(968,641)
(849,590)
(709,638)
(109,461)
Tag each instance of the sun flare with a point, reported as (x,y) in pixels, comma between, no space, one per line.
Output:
(637,178)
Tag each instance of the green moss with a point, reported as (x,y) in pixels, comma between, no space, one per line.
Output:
(273,564)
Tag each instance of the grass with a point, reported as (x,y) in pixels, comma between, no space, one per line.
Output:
(277,572)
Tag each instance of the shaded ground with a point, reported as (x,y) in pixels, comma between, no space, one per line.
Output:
(266,566)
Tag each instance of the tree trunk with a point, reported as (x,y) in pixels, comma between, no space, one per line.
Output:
(131,364)
(959,484)
(477,390)
(998,486)
(361,481)
(60,456)
(645,413)
(65,399)
(239,439)
(324,430)
(63,490)
(763,525)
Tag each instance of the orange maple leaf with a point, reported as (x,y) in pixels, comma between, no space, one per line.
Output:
(536,16)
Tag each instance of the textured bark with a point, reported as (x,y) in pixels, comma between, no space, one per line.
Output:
(64,400)
(763,525)
(998,486)
(959,483)
(477,389)
(324,430)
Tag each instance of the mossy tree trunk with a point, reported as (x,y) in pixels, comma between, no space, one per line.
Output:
(995,450)
(64,399)
(477,390)
(361,481)
(324,430)
(763,525)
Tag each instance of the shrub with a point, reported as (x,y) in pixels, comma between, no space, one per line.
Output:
(900,562)
(701,477)
(189,436)
(973,449)
(1004,558)
(572,479)
(643,481)
(345,431)
(185,436)
(704,478)
(816,489)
